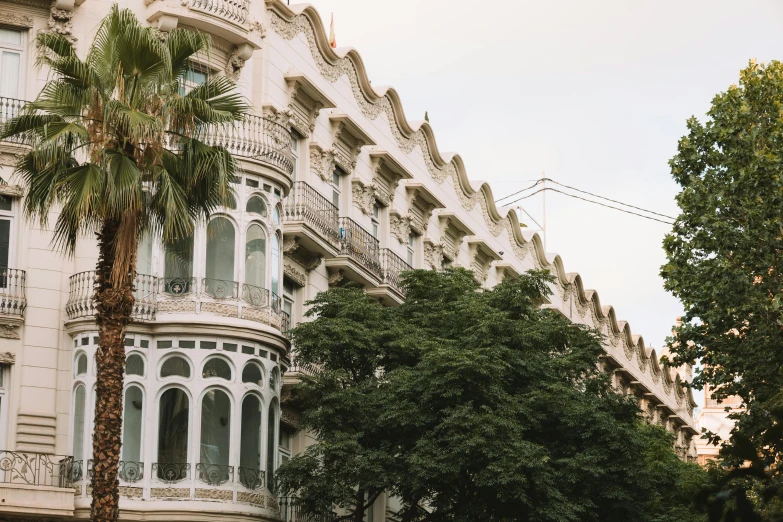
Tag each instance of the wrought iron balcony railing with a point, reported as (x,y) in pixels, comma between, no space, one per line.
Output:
(214,474)
(360,245)
(171,472)
(285,327)
(251,478)
(231,10)
(128,470)
(304,203)
(393,266)
(260,298)
(254,138)
(37,469)
(12,286)
(81,301)
(10,108)
(220,288)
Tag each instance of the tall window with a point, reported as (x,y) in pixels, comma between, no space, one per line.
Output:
(289,297)
(255,256)
(173,423)
(178,270)
(250,444)
(11,50)
(256,205)
(275,260)
(144,255)
(376,219)
(286,437)
(131,424)
(411,248)
(79,410)
(295,152)
(195,75)
(336,188)
(215,436)
(220,257)
(5,233)
(271,444)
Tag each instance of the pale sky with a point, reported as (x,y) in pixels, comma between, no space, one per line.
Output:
(595,94)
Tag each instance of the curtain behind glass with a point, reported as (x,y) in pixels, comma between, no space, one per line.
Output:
(275,260)
(220,250)
(131,420)
(215,428)
(173,427)
(79,406)
(10,64)
(255,256)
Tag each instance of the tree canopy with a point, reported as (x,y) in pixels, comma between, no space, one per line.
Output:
(725,263)
(468,404)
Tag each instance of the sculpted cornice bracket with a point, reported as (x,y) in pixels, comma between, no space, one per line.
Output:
(363,196)
(321,162)
(297,253)
(334,277)
(236,61)
(433,254)
(294,275)
(400,226)
(61,21)
(9,329)
(348,140)
(387,173)
(305,101)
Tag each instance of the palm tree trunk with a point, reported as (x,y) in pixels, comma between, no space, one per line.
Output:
(114,307)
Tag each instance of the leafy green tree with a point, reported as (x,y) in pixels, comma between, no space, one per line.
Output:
(112,150)
(725,263)
(472,405)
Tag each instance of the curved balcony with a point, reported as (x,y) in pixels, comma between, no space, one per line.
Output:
(81,300)
(26,478)
(12,298)
(256,139)
(10,108)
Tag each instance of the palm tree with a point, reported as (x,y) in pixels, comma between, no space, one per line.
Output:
(114,148)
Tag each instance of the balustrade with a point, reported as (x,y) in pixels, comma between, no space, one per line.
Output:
(393,266)
(291,511)
(81,300)
(231,10)
(358,243)
(10,108)
(304,203)
(12,287)
(36,469)
(253,138)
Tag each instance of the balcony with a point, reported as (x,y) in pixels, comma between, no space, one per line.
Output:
(392,267)
(313,219)
(81,300)
(255,139)
(10,108)
(34,484)
(230,10)
(12,298)
(290,511)
(359,258)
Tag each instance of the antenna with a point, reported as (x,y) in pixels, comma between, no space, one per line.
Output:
(543,196)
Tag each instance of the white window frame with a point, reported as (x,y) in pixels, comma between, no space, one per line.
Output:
(10,215)
(376,220)
(21,49)
(337,188)
(5,374)
(296,142)
(411,250)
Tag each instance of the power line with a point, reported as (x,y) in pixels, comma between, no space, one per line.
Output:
(612,200)
(519,191)
(591,201)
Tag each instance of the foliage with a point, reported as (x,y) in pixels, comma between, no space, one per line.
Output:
(114,149)
(725,264)
(473,405)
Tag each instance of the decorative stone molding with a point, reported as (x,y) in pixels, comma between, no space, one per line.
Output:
(236,61)
(481,257)
(15,19)
(290,417)
(321,162)
(400,226)
(61,22)
(297,253)
(452,231)
(348,140)
(257,27)
(170,492)
(251,498)
(294,275)
(9,330)
(433,254)
(506,270)
(7,358)
(421,203)
(305,101)
(387,173)
(363,196)
(334,276)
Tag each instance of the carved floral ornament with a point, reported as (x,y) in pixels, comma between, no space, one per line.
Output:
(15,19)
(321,162)
(433,254)
(297,253)
(294,275)
(400,226)
(364,196)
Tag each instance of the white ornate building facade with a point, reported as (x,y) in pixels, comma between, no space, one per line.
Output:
(337,185)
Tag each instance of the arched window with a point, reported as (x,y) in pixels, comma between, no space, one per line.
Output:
(256,205)
(271,446)
(253,374)
(178,260)
(276,215)
(216,367)
(215,437)
(175,367)
(250,445)
(255,256)
(81,364)
(134,365)
(274,380)
(220,257)
(173,422)
(131,425)
(79,410)
(275,261)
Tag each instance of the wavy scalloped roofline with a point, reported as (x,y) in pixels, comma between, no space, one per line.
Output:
(408,129)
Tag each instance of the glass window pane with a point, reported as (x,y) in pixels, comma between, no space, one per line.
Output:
(250,445)
(271,446)
(178,264)
(5,201)
(175,366)
(5,241)
(131,424)
(144,255)
(252,374)
(79,407)
(220,250)
(216,367)
(276,215)
(255,256)
(134,365)
(215,430)
(10,64)
(275,261)
(81,364)
(173,432)
(256,205)
(9,36)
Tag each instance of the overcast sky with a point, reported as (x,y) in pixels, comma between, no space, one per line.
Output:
(595,94)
